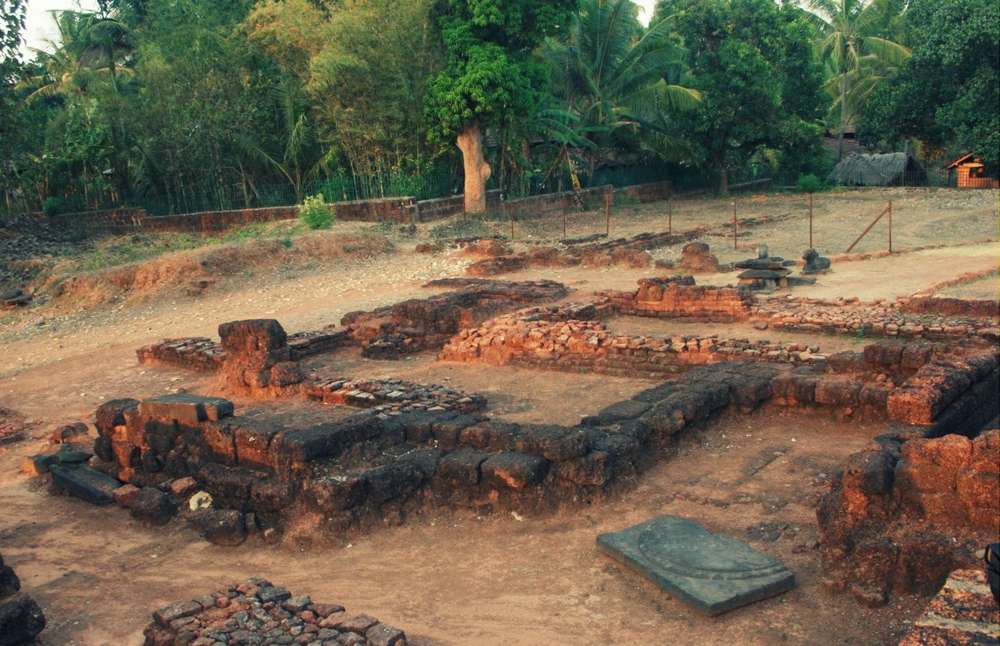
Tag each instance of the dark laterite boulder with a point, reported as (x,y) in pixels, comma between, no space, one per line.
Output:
(21,620)
(223,526)
(154,506)
(112,413)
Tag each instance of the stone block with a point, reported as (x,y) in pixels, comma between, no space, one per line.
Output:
(186,408)
(126,495)
(112,413)
(223,526)
(168,614)
(462,467)
(712,572)
(153,506)
(514,470)
(337,493)
(554,443)
(392,481)
(85,483)
(385,635)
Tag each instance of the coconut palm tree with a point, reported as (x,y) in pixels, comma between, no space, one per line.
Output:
(855,52)
(614,74)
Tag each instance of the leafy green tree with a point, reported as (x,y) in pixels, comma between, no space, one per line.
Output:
(858,55)
(490,77)
(761,87)
(11,26)
(614,74)
(364,68)
(947,94)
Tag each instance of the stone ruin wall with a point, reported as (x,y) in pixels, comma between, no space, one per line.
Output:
(680,297)
(905,512)
(387,332)
(567,338)
(878,318)
(352,474)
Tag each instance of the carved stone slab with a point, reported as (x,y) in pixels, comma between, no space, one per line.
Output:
(711,572)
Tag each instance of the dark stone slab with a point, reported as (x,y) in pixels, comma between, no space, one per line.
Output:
(85,483)
(186,408)
(711,572)
(274,594)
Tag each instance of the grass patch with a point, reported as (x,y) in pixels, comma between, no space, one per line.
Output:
(122,250)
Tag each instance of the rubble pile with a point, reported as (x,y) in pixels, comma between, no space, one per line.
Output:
(258,612)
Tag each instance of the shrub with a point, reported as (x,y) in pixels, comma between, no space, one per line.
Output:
(810,184)
(53,206)
(314,212)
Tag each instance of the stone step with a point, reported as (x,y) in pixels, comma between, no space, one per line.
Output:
(85,483)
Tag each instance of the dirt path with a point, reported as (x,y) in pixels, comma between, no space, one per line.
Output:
(454,579)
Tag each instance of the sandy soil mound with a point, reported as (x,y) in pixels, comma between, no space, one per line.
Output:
(197,268)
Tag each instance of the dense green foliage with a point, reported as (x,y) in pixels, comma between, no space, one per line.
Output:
(186,105)
(762,87)
(948,93)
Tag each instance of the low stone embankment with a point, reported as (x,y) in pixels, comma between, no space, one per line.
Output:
(560,338)
(879,318)
(625,252)
(903,514)
(384,333)
(259,612)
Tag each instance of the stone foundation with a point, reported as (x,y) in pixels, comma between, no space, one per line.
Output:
(850,316)
(679,297)
(626,252)
(903,514)
(566,338)
(258,612)
(385,333)
(394,460)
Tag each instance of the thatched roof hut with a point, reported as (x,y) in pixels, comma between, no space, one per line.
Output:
(889,169)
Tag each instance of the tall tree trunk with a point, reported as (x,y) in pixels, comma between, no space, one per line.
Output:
(843,116)
(477,171)
(723,179)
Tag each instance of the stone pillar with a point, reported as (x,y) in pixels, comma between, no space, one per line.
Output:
(258,359)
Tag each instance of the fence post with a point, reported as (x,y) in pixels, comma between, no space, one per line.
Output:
(810,220)
(670,213)
(510,214)
(890,226)
(735,244)
(564,224)
(608,197)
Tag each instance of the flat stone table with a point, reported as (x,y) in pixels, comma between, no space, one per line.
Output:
(711,572)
